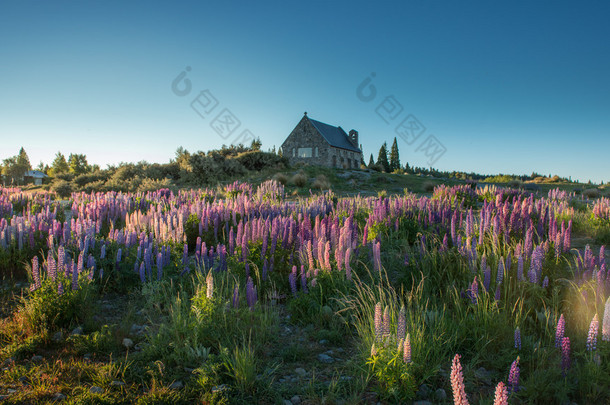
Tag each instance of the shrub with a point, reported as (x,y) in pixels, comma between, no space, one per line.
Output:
(515,184)
(62,188)
(299,179)
(428,186)
(154,185)
(257,160)
(281,178)
(591,193)
(321,182)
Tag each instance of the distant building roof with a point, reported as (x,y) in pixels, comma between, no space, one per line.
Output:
(37,174)
(335,136)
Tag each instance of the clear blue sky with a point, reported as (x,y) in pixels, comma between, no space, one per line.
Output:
(510,87)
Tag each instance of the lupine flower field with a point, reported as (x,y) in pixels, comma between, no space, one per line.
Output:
(242,294)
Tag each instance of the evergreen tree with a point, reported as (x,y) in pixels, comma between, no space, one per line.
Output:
(78,163)
(23,160)
(394,158)
(382,159)
(371,162)
(59,165)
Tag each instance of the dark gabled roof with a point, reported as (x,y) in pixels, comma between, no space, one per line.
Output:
(335,136)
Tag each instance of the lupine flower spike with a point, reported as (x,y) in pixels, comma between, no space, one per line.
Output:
(606,322)
(592,335)
(513,376)
(560,330)
(457,382)
(501,397)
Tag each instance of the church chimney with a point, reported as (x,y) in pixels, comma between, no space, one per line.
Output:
(353,137)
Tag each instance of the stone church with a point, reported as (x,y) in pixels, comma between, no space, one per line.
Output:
(316,143)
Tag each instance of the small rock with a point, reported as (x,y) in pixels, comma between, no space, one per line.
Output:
(287,402)
(77,331)
(59,396)
(281,380)
(176,385)
(135,329)
(483,375)
(423,392)
(37,358)
(340,350)
(295,400)
(440,394)
(58,336)
(117,383)
(127,342)
(95,390)
(325,358)
(329,352)
(323,342)
(300,372)
(189,370)
(11,391)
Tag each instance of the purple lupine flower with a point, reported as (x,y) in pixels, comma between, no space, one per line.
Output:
(292,279)
(497,296)
(209,280)
(406,349)
(606,322)
(51,269)
(517,338)
(520,268)
(565,355)
(236,296)
(500,275)
(142,272)
(386,323)
(501,397)
(560,330)
(513,376)
(60,288)
(250,293)
(401,329)
(348,268)
(545,282)
(36,272)
(457,382)
(159,265)
(487,278)
(474,291)
(592,335)
(185,255)
(378,321)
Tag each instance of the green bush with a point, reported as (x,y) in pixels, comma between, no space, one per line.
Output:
(62,188)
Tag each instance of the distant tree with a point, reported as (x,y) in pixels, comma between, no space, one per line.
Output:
(23,160)
(78,163)
(183,158)
(59,165)
(371,162)
(10,170)
(382,159)
(14,167)
(394,157)
(256,144)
